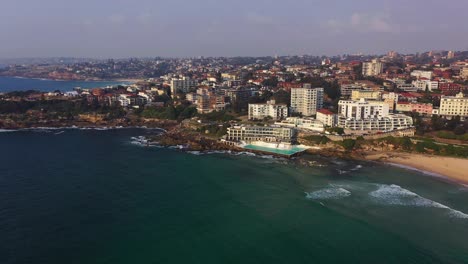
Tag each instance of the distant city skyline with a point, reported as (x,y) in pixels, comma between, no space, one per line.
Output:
(145,28)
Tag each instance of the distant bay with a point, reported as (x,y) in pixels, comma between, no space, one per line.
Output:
(9,84)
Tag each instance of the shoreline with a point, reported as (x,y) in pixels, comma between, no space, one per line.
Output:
(451,169)
(127,80)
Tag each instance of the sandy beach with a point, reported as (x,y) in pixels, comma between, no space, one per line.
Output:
(455,169)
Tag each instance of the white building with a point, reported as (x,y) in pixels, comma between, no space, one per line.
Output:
(387,123)
(306,100)
(260,133)
(423,84)
(327,118)
(270,109)
(362,109)
(454,106)
(303,123)
(183,85)
(372,68)
(421,74)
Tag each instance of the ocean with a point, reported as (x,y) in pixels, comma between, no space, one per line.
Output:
(90,196)
(9,84)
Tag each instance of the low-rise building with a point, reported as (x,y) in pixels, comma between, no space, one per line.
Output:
(261,133)
(269,109)
(362,109)
(327,117)
(424,109)
(303,123)
(387,123)
(454,106)
(368,95)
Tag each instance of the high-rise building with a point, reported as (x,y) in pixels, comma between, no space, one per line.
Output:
(306,100)
(372,68)
(182,85)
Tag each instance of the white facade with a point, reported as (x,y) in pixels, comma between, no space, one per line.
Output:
(182,85)
(373,68)
(327,118)
(454,106)
(387,123)
(423,84)
(303,123)
(362,109)
(421,74)
(270,109)
(306,100)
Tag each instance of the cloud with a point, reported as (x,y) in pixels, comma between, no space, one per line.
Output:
(361,22)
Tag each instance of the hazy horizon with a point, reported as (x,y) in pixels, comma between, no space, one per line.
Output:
(123,29)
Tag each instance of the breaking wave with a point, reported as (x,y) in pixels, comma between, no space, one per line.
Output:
(396,195)
(328,194)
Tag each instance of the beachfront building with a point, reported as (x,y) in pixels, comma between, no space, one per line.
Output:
(306,100)
(327,117)
(303,124)
(362,109)
(372,68)
(454,106)
(183,85)
(382,124)
(270,109)
(261,133)
(370,116)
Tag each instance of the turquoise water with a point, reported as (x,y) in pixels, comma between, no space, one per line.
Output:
(8,84)
(86,196)
(288,152)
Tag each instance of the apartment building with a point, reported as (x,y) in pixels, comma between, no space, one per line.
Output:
(387,123)
(372,68)
(424,109)
(306,100)
(362,109)
(183,84)
(454,106)
(269,109)
(368,95)
(327,117)
(421,74)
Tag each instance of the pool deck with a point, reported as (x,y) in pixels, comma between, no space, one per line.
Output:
(288,153)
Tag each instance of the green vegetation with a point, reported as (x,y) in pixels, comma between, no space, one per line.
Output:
(337,130)
(214,130)
(348,144)
(67,108)
(179,112)
(217,116)
(453,135)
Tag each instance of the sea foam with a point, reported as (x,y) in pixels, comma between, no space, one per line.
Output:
(328,193)
(396,195)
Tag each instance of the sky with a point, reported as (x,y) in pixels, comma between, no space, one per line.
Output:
(187,28)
